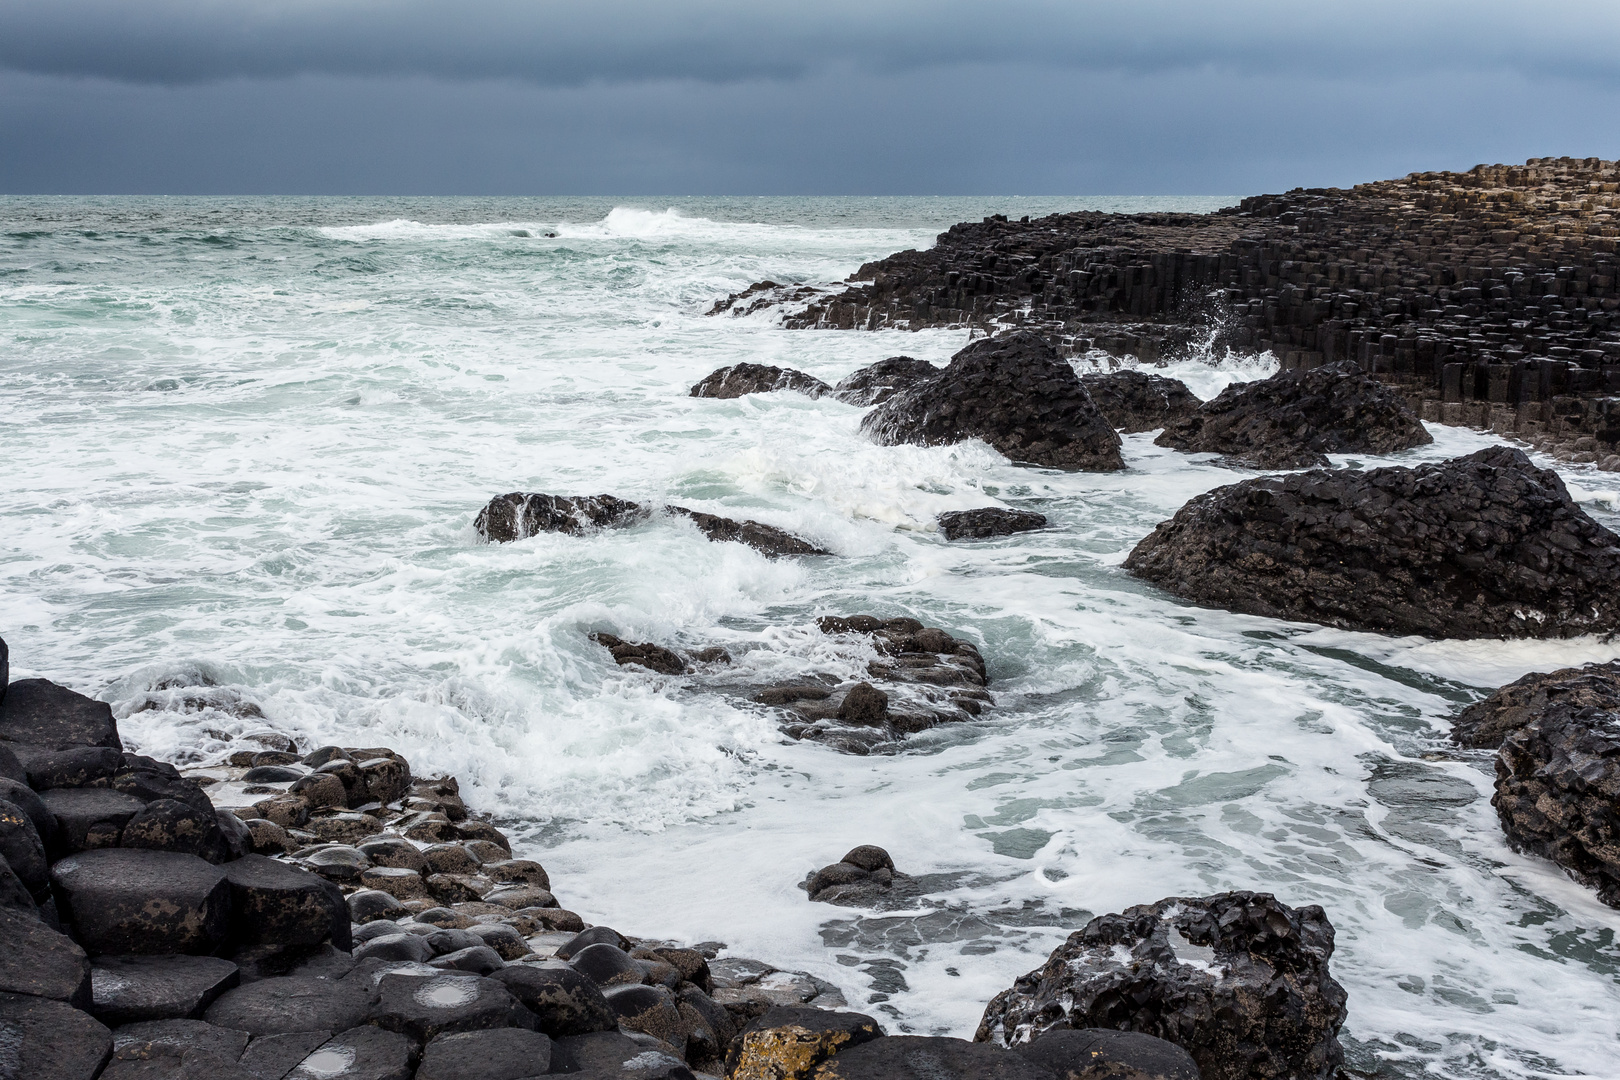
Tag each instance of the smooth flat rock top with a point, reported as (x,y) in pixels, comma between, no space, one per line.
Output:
(507,1054)
(132,901)
(425,1006)
(39,713)
(360,1053)
(919,1057)
(291,1004)
(50,1040)
(39,961)
(90,817)
(132,989)
(603,1054)
(271,1057)
(178,1036)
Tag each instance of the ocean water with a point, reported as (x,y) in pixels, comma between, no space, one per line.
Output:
(244,442)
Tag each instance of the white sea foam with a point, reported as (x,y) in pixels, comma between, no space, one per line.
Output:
(240,491)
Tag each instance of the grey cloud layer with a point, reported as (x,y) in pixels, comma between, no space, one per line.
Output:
(552,43)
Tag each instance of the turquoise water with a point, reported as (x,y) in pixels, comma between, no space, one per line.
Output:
(244,443)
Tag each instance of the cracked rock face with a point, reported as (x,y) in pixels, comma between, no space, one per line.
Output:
(1136,401)
(1016,394)
(1295,418)
(1483,546)
(1238,980)
(1558,792)
(1484,724)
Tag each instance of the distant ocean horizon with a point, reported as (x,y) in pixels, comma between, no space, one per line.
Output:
(245,439)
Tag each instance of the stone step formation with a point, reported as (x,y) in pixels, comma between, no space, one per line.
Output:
(1492,296)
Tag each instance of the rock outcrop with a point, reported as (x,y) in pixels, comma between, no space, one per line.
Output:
(1483,546)
(988,522)
(865,877)
(520,515)
(1294,419)
(877,383)
(740,379)
(1484,724)
(1134,401)
(1016,394)
(1238,980)
(1558,791)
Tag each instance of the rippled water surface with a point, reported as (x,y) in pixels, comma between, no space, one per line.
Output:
(244,441)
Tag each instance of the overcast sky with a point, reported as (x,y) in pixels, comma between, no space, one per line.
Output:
(1036,97)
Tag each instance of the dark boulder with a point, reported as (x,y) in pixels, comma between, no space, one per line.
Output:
(394,851)
(39,715)
(273,903)
(865,877)
(80,766)
(564,1001)
(603,1054)
(740,379)
(1136,401)
(131,989)
(89,818)
(520,515)
(479,959)
(644,654)
(988,522)
(1101,1054)
(124,901)
(149,1038)
(925,1057)
(278,1006)
(506,1054)
(361,1053)
(791,1042)
(41,1039)
(424,1006)
(398,946)
(606,965)
(766,539)
(368,905)
(41,962)
(27,800)
(1558,792)
(169,825)
(1297,417)
(1016,394)
(650,1010)
(586,938)
(22,849)
(877,383)
(1238,980)
(1484,724)
(1480,546)
(274,1056)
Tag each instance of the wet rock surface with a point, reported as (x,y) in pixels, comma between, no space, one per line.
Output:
(1238,980)
(121,901)
(988,522)
(1016,394)
(922,1057)
(41,1039)
(1134,400)
(38,716)
(1558,792)
(877,383)
(1484,724)
(1101,1054)
(865,877)
(520,515)
(765,539)
(38,961)
(132,989)
(1296,418)
(1480,546)
(740,379)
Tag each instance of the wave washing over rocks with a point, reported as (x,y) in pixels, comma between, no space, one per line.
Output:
(1141,758)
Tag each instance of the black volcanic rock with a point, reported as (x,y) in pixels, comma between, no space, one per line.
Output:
(1558,792)
(1238,980)
(1295,418)
(5,669)
(132,989)
(42,1039)
(40,715)
(740,379)
(1480,546)
(41,962)
(1016,394)
(765,539)
(125,901)
(274,903)
(988,522)
(519,515)
(877,383)
(1102,1054)
(1136,401)
(928,1057)
(864,877)
(1484,724)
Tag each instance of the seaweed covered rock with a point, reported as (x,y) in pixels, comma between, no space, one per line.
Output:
(1297,417)
(1016,394)
(1484,724)
(988,522)
(1481,546)
(739,379)
(877,383)
(1238,980)
(1558,792)
(1136,401)
(791,1042)
(519,515)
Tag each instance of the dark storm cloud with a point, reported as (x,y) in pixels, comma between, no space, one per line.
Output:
(553,43)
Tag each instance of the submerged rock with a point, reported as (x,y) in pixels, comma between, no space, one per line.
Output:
(1136,401)
(1480,546)
(646,654)
(1238,980)
(1558,792)
(988,522)
(1016,394)
(519,515)
(1484,724)
(1297,417)
(877,383)
(765,539)
(740,379)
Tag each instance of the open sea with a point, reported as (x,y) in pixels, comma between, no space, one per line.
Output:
(243,441)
